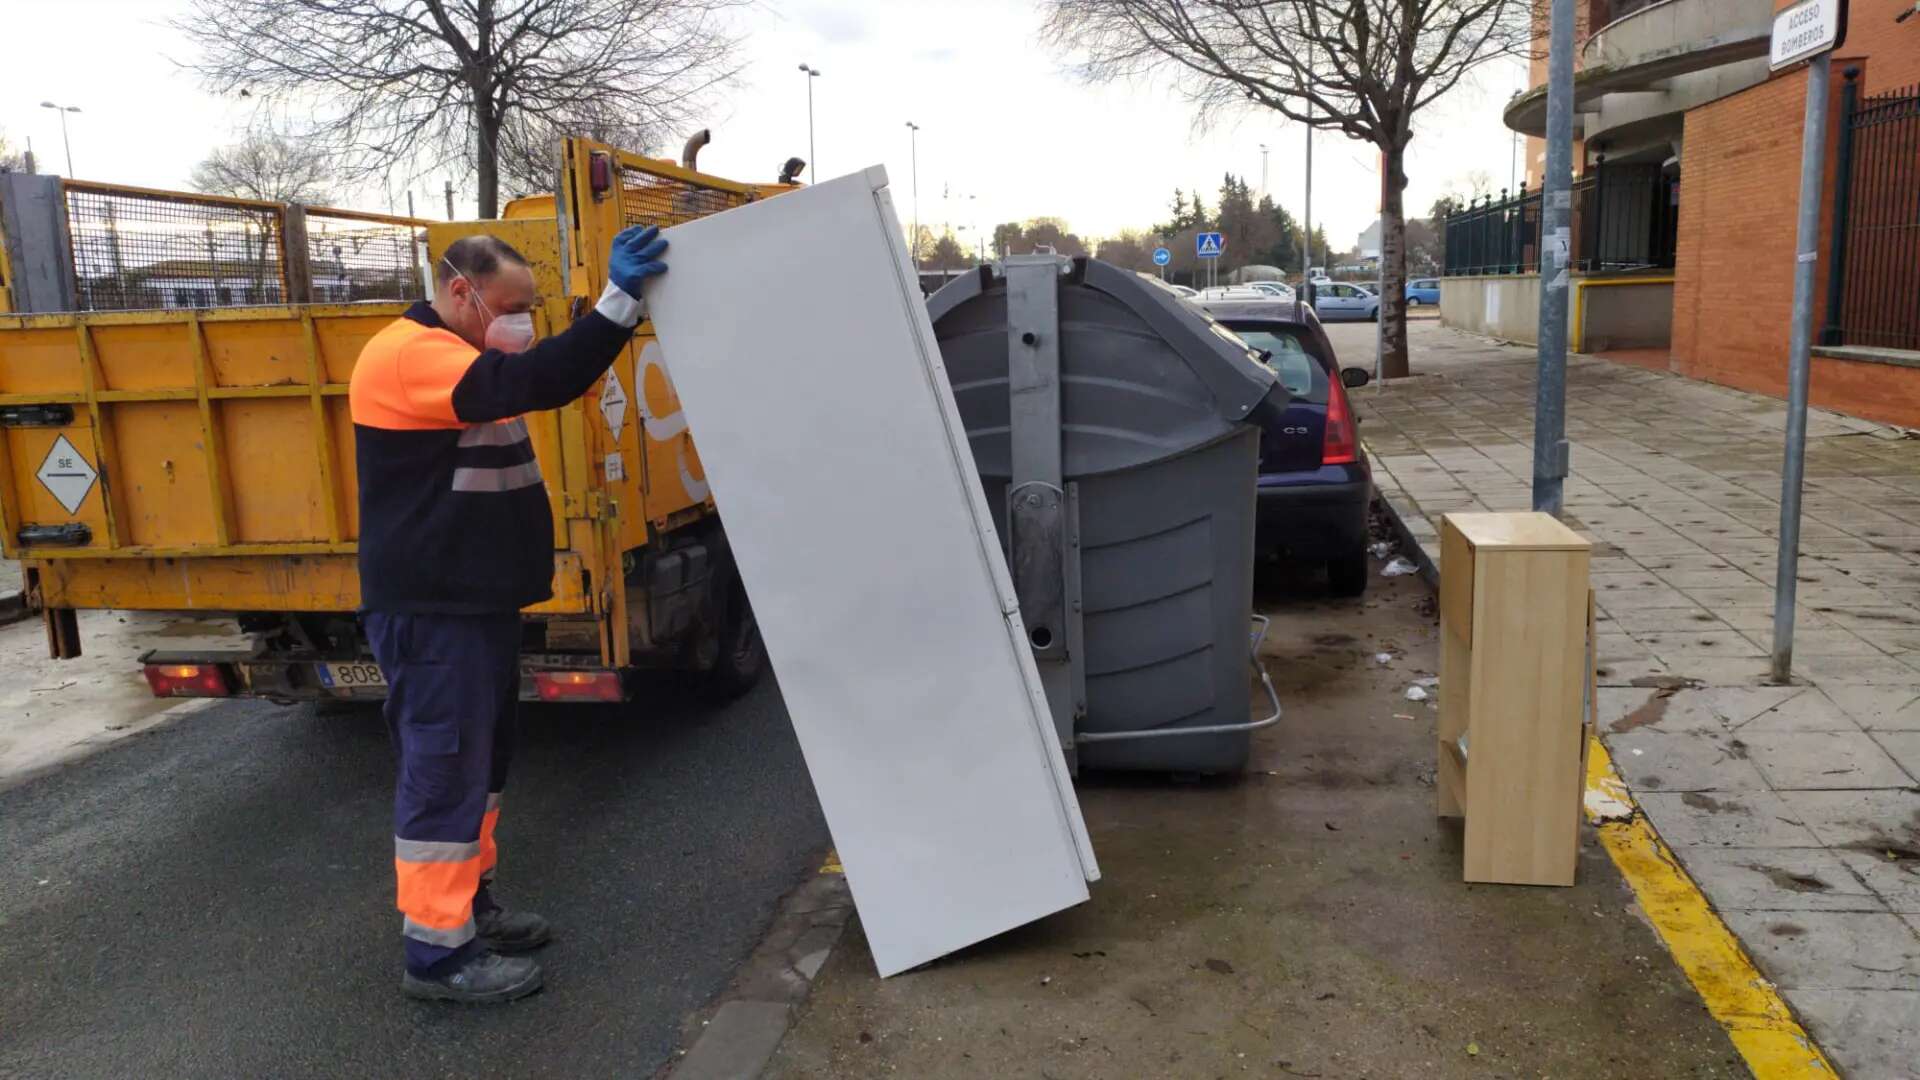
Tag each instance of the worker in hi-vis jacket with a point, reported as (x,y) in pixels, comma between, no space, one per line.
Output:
(456,536)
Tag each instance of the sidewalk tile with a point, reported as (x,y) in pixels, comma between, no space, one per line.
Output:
(1828,640)
(1629,599)
(1752,819)
(1895,880)
(1722,670)
(1778,879)
(1885,820)
(1749,596)
(1904,746)
(1739,705)
(1880,708)
(1623,709)
(1675,645)
(1852,670)
(1867,1033)
(1805,709)
(1623,669)
(1822,760)
(1650,759)
(1675,619)
(1829,950)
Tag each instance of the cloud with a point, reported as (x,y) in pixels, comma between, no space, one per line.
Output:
(945,55)
(837,26)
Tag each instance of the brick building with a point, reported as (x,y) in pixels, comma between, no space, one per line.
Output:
(1682,87)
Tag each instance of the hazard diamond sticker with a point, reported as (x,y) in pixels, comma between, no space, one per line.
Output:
(67,474)
(613,404)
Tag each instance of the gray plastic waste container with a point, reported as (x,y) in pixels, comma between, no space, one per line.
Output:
(1111,427)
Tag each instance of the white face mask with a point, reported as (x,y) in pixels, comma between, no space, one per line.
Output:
(508,333)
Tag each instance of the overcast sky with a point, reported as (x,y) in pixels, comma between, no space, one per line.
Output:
(1002,120)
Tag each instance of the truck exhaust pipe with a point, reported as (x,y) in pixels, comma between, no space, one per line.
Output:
(691,153)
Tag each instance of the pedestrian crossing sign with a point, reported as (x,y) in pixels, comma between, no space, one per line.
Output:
(1209,245)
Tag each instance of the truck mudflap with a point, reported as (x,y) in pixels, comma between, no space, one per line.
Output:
(289,678)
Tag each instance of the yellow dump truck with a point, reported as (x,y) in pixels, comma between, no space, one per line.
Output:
(175,435)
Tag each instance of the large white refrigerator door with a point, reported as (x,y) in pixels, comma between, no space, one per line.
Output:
(795,334)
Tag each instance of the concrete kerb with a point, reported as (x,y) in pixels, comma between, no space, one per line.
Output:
(735,1037)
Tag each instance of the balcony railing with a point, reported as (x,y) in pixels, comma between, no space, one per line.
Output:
(1624,218)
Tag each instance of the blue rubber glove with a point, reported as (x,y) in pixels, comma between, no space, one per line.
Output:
(636,257)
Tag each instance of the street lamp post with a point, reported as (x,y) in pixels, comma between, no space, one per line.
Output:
(913,138)
(812,74)
(1263,168)
(63,110)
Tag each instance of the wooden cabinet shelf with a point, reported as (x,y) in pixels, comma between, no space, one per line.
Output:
(1515,679)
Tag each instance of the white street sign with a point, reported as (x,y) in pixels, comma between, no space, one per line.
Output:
(1806,29)
(613,404)
(67,474)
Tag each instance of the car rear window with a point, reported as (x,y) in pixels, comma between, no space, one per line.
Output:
(1299,372)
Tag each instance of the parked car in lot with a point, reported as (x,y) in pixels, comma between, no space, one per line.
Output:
(1315,481)
(1339,300)
(1275,288)
(1424,290)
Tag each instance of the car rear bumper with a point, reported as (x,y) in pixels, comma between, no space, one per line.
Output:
(1313,521)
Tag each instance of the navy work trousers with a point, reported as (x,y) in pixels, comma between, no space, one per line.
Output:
(453,687)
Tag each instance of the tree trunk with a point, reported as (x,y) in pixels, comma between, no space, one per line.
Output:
(486,148)
(1393,264)
(487,162)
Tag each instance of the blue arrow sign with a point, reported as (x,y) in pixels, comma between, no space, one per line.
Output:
(1209,245)
(1161,256)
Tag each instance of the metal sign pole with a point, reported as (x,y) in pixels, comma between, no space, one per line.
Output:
(1550,394)
(1813,153)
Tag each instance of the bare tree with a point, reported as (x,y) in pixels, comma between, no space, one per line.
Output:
(11,160)
(528,142)
(424,85)
(267,166)
(1361,67)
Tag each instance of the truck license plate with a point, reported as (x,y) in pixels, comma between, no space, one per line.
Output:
(356,676)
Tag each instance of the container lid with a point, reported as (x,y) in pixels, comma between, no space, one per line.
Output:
(1143,376)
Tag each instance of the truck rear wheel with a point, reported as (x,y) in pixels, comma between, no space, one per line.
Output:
(742,655)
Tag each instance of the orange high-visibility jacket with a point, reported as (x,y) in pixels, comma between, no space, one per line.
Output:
(453,512)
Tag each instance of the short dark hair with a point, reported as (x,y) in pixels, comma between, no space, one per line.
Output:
(476,256)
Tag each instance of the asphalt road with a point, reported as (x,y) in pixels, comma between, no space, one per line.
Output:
(213,898)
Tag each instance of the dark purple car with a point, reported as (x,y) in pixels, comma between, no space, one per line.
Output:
(1315,482)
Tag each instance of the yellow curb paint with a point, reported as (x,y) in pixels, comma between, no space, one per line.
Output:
(1758,1021)
(832,865)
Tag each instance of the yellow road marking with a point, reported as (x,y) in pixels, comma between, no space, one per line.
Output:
(1761,1026)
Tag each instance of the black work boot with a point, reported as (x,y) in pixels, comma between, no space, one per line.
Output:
(483,979)
(511,932)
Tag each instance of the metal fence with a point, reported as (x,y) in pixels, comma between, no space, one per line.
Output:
(650,198)
(148,249)
(1625,217)
(135,248)
(355,256)
(1873,290)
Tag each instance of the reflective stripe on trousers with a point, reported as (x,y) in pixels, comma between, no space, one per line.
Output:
(452,687)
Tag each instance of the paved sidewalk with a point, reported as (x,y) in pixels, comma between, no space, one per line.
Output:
(1794,808)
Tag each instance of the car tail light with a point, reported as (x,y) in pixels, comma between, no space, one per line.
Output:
(1342,444)
(187,680)
(578,685)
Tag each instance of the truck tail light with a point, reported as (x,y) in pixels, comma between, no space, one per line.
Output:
(578,685)
(187,680)
(1342,444)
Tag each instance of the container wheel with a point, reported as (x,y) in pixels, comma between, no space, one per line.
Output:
(1348,573)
